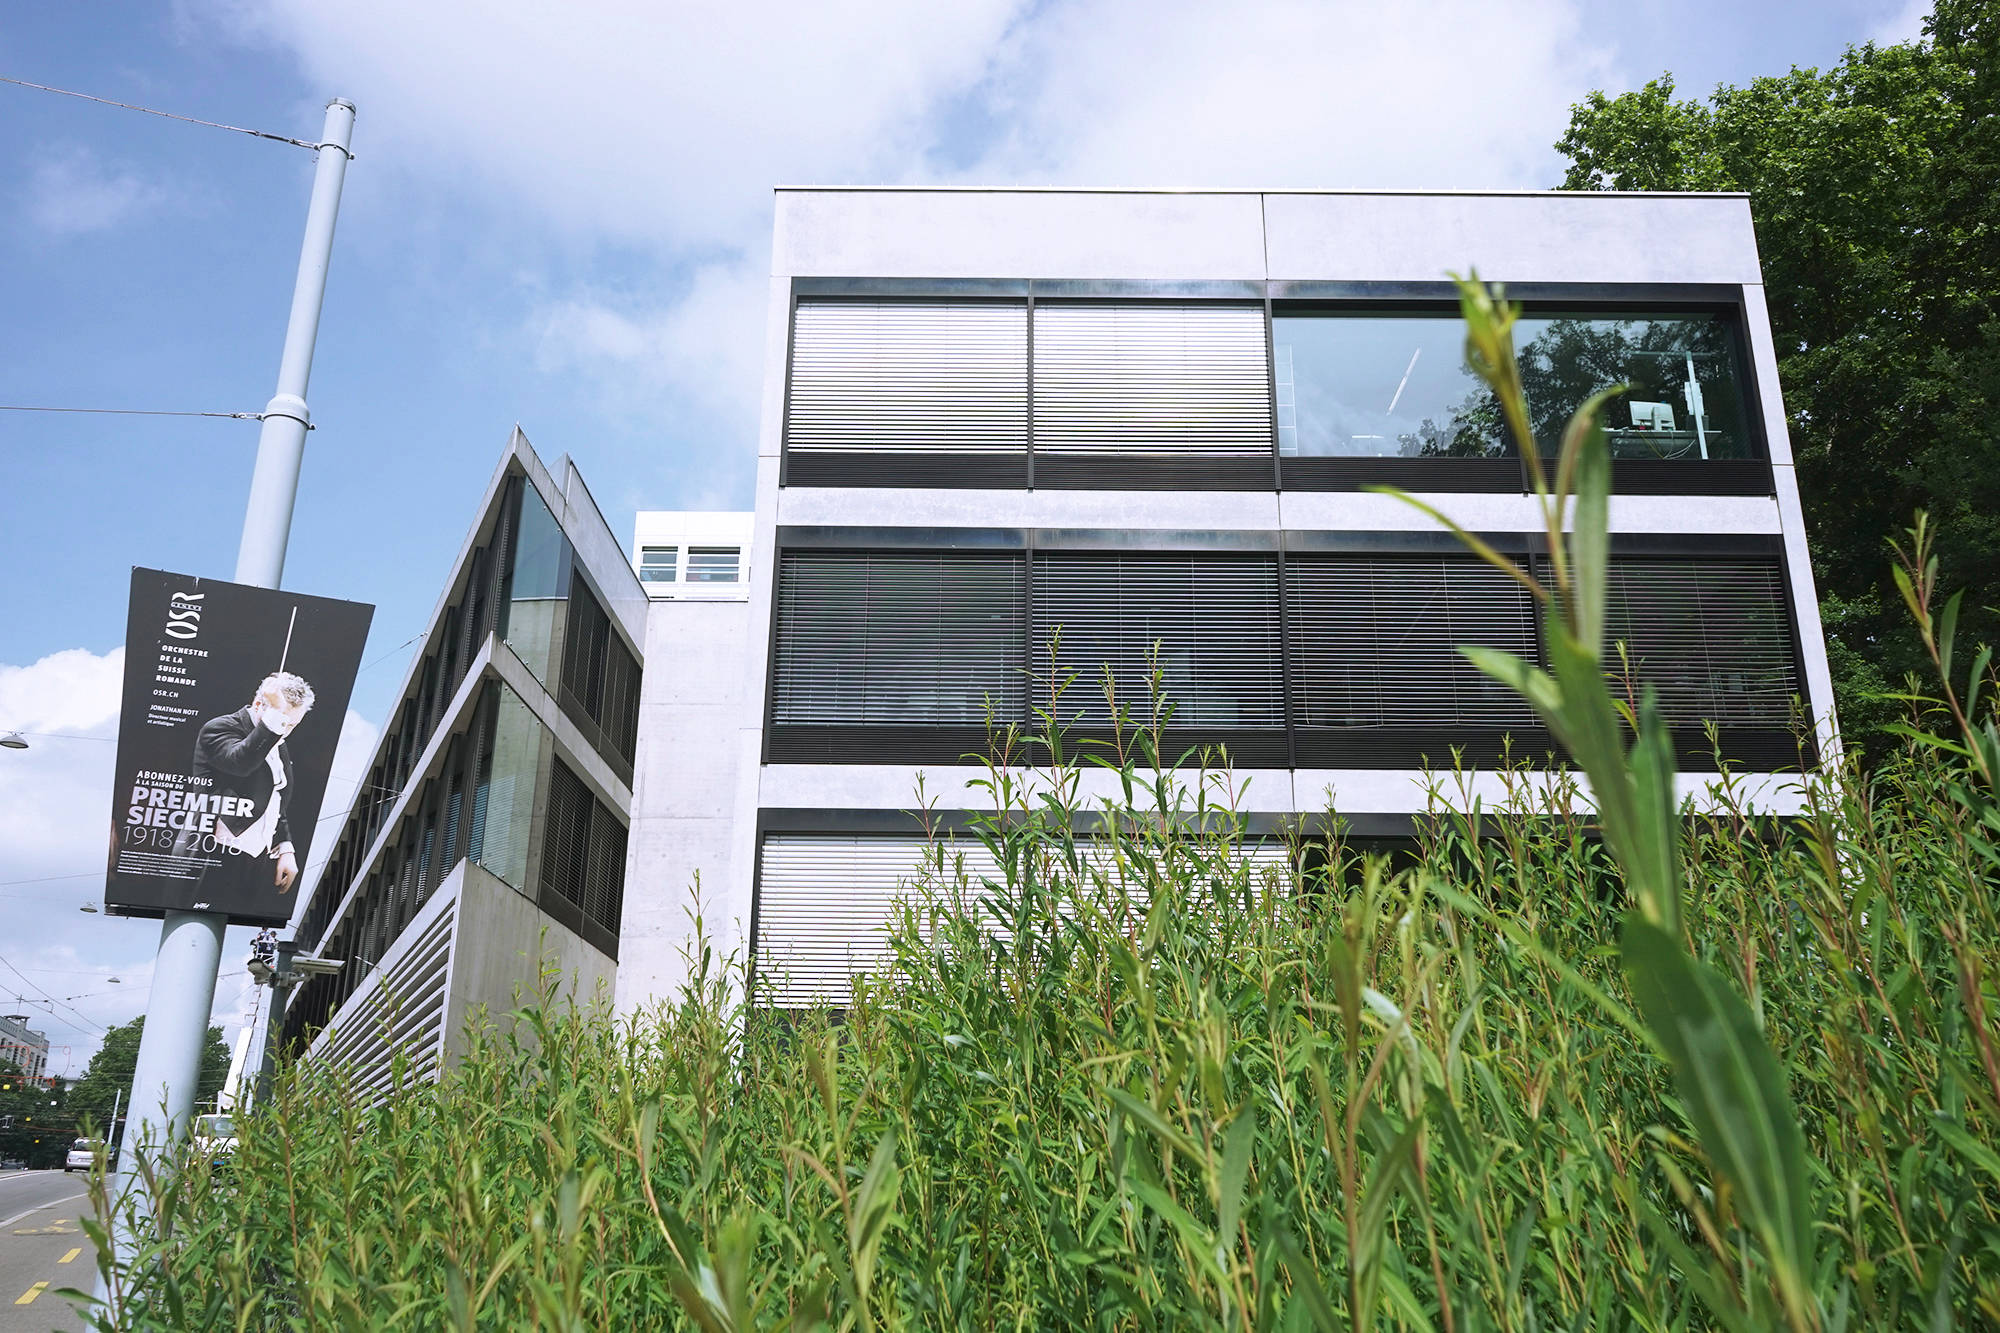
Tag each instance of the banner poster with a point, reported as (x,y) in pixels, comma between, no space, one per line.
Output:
(234,698)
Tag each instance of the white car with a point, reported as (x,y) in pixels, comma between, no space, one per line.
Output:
(83,1155)
(213,1139)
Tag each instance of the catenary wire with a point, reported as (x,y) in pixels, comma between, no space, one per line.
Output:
(143,412)
(191,120)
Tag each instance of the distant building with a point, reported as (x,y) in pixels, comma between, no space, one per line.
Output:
(23,1047)
(485,852)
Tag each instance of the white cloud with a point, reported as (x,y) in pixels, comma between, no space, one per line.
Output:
(659,130)
(55,821)
(70,192)
(701,350)
(1904,24)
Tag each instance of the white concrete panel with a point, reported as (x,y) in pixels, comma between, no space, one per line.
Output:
(894,787)
(1150,510)
(777,339)
(1358,791)
(1764,359)
(1318,511)
(1018,234)
(1552,237)
(1805,602)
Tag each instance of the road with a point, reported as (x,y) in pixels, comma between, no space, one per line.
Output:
(42,1248)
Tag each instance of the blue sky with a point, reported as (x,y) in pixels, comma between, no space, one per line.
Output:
(559,216)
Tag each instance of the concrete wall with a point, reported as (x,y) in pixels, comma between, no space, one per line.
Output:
(506,946)
(685,799)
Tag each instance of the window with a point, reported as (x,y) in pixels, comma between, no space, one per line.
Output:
(713,564)
(583,860)
(1396,385)
(1156,378)
(1377,675)
(1205,626)
(599,685)
(658,563)
(892,638)
(1712,636)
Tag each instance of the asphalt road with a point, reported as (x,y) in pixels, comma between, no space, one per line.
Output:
(42,1248)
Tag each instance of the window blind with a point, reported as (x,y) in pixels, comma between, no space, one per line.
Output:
(1212,618)
(899,638)
(583,860)
(1375,640)
(1151,378)
(909,376)
(1712,636)
(825,904)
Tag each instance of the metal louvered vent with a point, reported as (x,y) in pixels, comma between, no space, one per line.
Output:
(1207,623)
(825,904)
(1155,378)
(1712,636)
(583,860)
(880,642)
(600,679)
(909,376)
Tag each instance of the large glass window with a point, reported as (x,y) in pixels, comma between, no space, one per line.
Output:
(1396,385)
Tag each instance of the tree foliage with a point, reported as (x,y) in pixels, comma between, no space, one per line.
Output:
(1875,186)
(108,1078)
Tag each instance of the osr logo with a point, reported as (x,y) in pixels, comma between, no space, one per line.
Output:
(184,615)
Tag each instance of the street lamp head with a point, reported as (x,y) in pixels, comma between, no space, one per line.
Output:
(88,907)
(14,740)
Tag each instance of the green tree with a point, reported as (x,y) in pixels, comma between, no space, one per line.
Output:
(35,1124)
(1875,186)
(108,1079)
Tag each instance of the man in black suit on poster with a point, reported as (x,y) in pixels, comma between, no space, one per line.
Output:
(243,754)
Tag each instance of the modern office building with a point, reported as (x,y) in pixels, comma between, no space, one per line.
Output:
(1010,435)
(22,1047)
(485,853)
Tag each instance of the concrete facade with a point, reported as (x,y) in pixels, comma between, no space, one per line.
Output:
(685,797)
(1295,245)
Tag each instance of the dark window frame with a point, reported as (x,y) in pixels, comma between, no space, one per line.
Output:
(861,468)
(1772,748)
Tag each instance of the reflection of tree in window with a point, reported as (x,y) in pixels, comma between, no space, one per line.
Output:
(1566,360)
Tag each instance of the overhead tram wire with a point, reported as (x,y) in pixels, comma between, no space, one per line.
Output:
(77,1013)
(169,115)
(140,412)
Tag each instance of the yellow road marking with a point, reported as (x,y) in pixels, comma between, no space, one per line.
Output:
(71,1255)
(29,1297)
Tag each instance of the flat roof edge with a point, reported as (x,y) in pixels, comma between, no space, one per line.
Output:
(1219,190)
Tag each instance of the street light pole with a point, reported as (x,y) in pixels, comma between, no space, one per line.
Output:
(183,993)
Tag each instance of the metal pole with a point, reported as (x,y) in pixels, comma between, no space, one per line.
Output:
(281,445)
(274,1024)
(183,993)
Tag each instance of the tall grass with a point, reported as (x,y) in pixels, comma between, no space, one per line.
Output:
(1185,1093)
(1683,1071)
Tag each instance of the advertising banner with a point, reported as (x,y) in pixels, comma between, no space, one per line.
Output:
(234,698)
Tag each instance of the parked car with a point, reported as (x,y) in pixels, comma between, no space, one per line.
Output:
(83,1155)
(213,1139)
